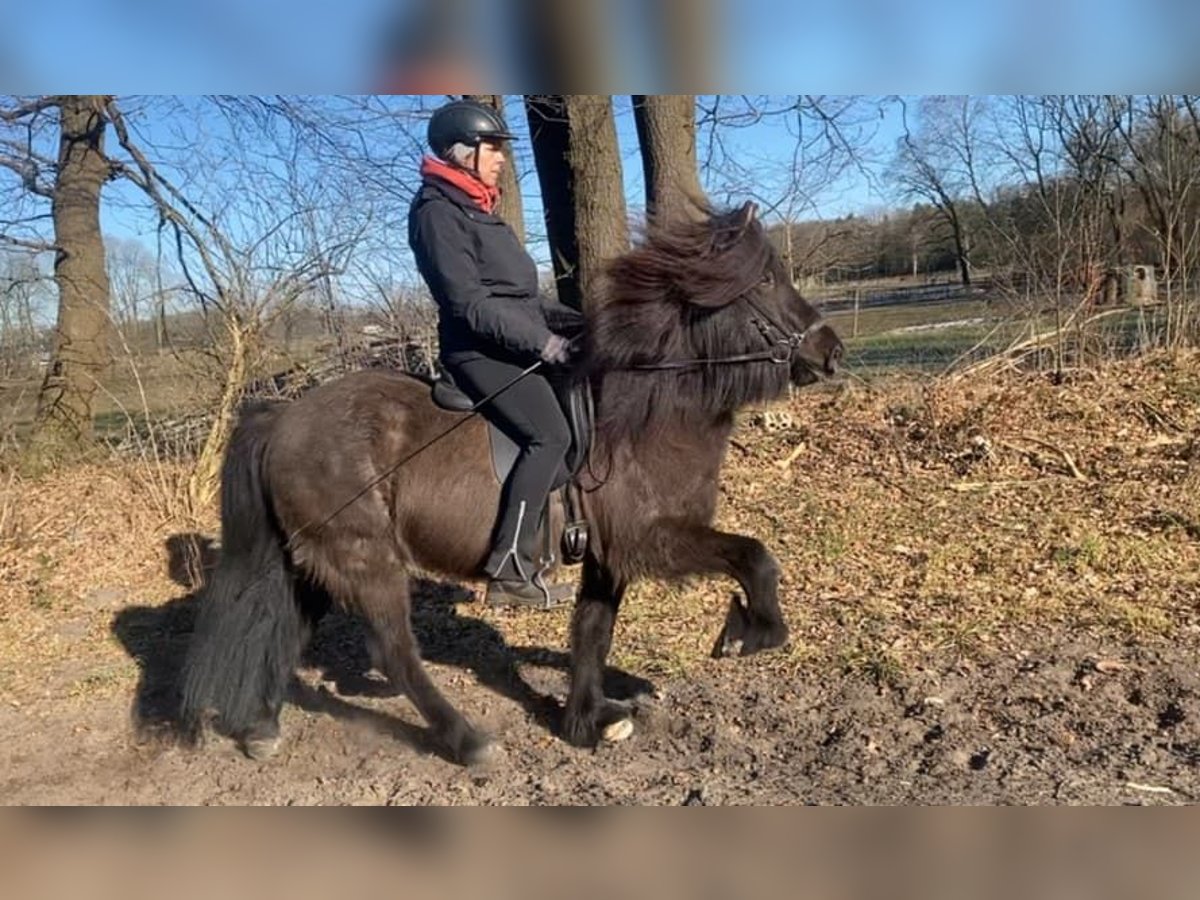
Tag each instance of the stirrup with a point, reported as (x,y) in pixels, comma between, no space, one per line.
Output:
(575,532)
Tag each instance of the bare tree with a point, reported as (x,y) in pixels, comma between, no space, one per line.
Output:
(666,128)
(133,275)
(1045,223)
(22,287)
(246,264)
(934,164)
(819,141)
(579,168)
(72,183)
(1160,136)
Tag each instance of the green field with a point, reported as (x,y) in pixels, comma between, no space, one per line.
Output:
(932,337)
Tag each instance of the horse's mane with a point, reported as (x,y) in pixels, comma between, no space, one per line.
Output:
(671,298)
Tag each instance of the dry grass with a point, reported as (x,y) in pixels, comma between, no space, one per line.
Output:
(80,545)
(915,521)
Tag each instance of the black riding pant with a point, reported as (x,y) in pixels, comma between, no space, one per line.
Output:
(529,413)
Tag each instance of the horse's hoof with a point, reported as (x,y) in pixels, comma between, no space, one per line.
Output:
(482,753)
(620,730)
(478,751)
(261,749)
(486,756)
(760,639)
(737,624)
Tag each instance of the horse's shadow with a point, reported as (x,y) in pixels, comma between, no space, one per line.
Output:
(157,638)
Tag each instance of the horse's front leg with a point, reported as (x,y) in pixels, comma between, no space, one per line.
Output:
(757,624)
(750,626)
(589,715)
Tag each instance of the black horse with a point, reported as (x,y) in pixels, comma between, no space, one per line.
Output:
(698,320)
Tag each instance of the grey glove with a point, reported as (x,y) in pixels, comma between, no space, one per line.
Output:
(557,350)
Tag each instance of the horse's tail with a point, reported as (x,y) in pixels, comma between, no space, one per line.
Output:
(248,632)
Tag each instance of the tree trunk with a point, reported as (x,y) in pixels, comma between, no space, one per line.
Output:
(964,270)
(962,249)
(510,209)
(160,320)
(579,169)
(666,128)
(789,256)
(81,349)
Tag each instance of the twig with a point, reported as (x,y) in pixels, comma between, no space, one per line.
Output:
(1067,458)
(1152,412)
(791,457)
(896,445)
(963,487)
(1030,345)
(883,479)
(1148,788)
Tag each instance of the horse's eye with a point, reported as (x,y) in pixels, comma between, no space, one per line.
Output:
(768,279)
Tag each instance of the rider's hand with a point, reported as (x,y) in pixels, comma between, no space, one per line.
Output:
(557,350)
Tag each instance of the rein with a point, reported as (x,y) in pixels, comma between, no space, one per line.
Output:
(783,346)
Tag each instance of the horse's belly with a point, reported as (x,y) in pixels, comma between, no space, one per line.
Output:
(445,513)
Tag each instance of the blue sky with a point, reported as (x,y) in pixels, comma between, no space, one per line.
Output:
(764,148)
(846,46)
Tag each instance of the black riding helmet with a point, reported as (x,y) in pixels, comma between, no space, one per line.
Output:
(466,122)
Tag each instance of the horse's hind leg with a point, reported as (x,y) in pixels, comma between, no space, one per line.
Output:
(386,605)
(589,715)
(262,740)
(314,602)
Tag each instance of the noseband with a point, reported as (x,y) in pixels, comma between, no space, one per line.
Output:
(784,344)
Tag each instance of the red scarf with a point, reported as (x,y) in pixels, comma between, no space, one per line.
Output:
(483,196)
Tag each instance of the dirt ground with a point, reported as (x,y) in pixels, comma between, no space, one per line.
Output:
(992,586)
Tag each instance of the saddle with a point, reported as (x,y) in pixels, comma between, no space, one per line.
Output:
(575,398)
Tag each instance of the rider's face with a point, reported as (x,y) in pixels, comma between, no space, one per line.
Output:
(490,162)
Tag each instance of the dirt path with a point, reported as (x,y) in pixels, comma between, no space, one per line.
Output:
(1066,724)
(992,585)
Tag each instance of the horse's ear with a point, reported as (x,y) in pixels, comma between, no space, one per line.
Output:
(746,215)
(731,234)
(738,222)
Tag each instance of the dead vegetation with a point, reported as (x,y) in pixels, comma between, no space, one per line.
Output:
(916,521)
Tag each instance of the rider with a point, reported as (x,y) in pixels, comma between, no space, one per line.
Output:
(491,326)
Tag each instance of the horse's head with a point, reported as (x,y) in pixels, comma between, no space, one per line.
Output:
(736,299)
(710,301)
(776,310)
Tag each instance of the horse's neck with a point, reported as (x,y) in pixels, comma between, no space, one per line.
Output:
(700,436)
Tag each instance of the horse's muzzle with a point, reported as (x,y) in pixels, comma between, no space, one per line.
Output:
(834,357)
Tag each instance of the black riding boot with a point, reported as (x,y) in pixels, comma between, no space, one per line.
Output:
(516,568)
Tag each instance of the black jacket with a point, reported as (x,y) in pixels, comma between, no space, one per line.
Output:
(483,281)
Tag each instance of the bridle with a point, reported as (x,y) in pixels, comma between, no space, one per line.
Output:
(783,345)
